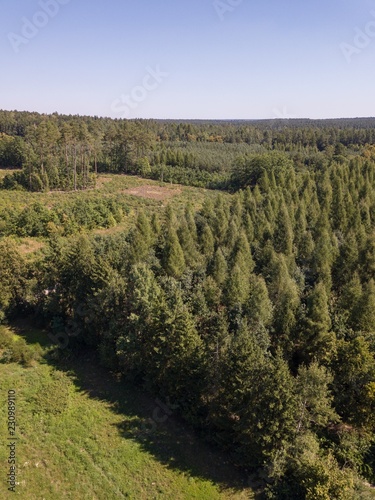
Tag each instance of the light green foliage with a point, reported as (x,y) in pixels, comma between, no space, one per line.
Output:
(219,267)
(320,340)
(315,402)
(173,256)
(354,370)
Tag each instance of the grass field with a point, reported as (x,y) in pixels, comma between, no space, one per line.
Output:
(125,186)
(131,192)
(84,434)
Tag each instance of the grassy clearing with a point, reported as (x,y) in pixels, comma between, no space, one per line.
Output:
(133,192)
(84,434)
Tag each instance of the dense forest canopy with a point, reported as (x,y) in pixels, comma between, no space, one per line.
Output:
(64,152)
(254,313)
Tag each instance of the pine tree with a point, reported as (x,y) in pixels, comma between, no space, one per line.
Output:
(347,261)
(259,307)
(238,372)
(137,336)
(283,235)
(207,242)
(266,407)
(179,352)
(140,239)
(242,255)
(354,369)
(220,220)
(219,267)
(315,402)
(320,340)
(366,309)
(323,258)
(349,300)
(285,296)
(231,235)
(189,216)
(173,259)
(249,228)
(11,275)
(188,244)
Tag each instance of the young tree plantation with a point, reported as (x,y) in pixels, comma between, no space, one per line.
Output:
(249,303)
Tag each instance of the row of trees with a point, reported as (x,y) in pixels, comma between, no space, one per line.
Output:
(67,155)
(65,152)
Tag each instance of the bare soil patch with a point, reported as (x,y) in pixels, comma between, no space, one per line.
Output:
(153,192)
(29,245)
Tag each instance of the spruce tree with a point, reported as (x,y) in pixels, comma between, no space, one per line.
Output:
(320,340)
(219,267)
(173,259)
(283,234)
(140,239)
(207,241)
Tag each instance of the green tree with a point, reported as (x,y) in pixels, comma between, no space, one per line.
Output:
(207,241)
(12,275)
(219,267)
(140,239)
(319,342)
(315,401)
(173,259)
(283,235)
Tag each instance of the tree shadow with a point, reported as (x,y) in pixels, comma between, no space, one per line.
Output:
(155,425)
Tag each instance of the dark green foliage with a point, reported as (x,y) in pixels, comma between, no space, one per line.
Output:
(253,311)
(12,277)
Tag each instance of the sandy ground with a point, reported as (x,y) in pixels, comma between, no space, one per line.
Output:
(153,192)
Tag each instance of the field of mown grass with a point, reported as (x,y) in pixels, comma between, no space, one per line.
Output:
(84,434)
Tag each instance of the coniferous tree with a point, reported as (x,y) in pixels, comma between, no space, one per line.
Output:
(283,235)
(207,241)
(140,239)
(319,343)
(219,267)
(173,259)
(315,401)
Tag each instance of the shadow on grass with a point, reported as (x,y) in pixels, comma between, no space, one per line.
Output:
(33,335)
(154,425)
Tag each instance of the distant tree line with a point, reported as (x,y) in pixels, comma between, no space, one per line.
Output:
(65,152)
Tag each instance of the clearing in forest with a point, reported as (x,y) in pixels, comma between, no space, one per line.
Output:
(154,192)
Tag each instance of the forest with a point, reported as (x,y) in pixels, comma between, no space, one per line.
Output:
(250,306)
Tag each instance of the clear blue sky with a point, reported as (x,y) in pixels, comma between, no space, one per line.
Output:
(258,59)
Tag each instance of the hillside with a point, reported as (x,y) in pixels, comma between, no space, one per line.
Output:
(84,434)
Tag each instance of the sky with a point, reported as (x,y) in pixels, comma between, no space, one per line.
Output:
(189,59)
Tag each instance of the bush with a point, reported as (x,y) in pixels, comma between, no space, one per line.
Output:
(14,349)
